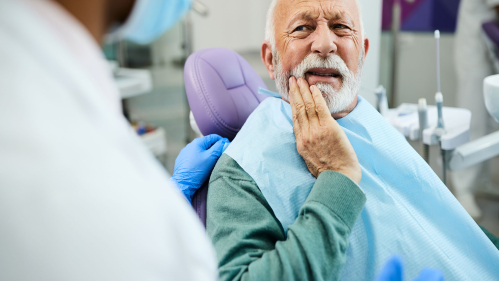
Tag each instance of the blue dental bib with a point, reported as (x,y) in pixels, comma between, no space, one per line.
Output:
(409,211)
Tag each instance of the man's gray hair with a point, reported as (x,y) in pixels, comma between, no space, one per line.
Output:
(270,26)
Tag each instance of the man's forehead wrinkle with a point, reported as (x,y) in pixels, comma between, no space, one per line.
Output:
(303,15)
(334,11)
(289,13)
(330,10)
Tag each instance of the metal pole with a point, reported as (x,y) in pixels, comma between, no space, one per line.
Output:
(396,19)
(187,48)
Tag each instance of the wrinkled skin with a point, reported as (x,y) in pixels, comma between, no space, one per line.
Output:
(323,27)
(319,138)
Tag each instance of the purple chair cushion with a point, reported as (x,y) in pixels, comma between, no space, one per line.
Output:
(491,29)
(199,202)
(222,89)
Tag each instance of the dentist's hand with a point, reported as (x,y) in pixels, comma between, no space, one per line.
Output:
(195,163)
(394,271)
(319,138)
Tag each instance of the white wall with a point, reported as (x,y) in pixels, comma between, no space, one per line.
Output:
(371,13)
(235,24)
(416,68)
(240,25)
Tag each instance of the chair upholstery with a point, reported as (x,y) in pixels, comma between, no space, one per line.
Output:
(222,89)
(491,30)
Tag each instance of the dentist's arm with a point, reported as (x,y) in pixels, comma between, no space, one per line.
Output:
(249,239)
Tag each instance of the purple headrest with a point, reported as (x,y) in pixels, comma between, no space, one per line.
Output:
(491,29)
(222,89)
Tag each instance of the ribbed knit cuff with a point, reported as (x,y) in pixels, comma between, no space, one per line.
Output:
(340,194)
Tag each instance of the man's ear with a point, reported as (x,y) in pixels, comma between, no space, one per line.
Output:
(366,47)
(268,58)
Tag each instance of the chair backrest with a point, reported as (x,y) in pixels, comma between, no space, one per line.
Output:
(491,29)
(491,32)
(222,89)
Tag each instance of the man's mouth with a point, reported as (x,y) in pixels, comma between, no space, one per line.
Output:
(324,75)
(323,72)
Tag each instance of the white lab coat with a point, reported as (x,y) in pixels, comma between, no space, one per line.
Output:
(80,197)
(473,64)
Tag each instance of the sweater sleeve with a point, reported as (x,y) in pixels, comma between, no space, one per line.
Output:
(250,241)
(491,236)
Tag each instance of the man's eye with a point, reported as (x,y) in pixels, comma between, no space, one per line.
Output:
(301,28)
(340,26)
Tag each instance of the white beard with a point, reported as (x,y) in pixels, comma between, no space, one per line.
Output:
(337,101)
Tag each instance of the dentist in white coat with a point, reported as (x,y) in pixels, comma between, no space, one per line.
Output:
(81,198)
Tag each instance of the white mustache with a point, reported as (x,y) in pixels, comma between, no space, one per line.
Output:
(337,100)
(312,61)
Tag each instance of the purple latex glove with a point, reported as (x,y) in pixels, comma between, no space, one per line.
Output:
(195,162)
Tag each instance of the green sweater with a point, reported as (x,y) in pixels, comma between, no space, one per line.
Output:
(250,242)
(491,236)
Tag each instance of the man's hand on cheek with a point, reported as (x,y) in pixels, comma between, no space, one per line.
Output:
(319,138)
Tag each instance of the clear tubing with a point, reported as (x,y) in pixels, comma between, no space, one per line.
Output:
(439,99)
(444,164)
(437,37)
(423,124)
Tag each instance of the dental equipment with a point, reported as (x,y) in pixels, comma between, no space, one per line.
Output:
(382,104)
(200,8)
(485,147)
(437,38)
(396,22)
(439,100)
(447,127)
(423,124)
(405,119)
(188,48)
(440,131)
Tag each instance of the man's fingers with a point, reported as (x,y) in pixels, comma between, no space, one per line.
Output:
(320,104)
(297,106)
(308,101)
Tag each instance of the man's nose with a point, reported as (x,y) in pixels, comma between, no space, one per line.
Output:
(324,43)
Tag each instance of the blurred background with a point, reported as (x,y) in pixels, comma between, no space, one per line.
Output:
(401,58)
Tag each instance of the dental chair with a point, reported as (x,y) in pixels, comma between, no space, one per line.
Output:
(222,89)
(491,38)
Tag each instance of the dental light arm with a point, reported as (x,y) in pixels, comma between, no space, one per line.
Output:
(474,152)
(486,147)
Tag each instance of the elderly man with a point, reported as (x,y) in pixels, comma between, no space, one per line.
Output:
(280,207)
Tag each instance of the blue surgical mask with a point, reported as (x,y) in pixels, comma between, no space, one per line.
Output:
(151,18)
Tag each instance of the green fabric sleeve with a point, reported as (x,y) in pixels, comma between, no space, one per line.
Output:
(491,236)
(250,241)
